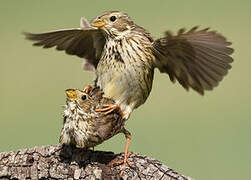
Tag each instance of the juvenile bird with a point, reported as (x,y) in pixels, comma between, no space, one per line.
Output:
(83,126)
(124,56)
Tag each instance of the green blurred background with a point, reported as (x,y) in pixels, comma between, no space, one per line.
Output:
(203,137)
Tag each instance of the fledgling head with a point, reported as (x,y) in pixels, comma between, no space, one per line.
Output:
(114,23)
(78,98)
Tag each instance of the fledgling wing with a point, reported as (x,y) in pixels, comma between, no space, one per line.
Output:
(85,42)
(197,58)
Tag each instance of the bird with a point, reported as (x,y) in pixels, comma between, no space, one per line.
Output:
(124,56)
(84,127)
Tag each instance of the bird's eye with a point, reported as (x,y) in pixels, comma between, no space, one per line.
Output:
(113,18)
(83,97)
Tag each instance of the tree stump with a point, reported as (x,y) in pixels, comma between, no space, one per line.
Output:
(66,162)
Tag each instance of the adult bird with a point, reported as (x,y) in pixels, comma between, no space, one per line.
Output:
(124,56)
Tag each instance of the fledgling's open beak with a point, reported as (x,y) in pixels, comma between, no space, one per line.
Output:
(98,23)
(71,93)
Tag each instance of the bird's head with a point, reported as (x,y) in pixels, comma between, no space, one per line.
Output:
(79,98)
(113,23)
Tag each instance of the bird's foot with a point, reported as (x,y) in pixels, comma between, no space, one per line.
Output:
(110,108)
(87,89)
(124,162)
(126,154)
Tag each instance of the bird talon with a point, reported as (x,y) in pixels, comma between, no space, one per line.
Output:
(108,108)
(87,89)
(123,162)
(120,162)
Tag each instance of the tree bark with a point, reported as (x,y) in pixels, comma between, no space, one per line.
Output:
(65,162)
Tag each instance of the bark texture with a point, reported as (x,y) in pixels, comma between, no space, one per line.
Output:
(65,162)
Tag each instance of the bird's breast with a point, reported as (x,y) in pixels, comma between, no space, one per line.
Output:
(88,128)
(125,72)
(76,128)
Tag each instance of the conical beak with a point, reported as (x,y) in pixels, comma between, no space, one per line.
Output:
(98,23)
(71,93)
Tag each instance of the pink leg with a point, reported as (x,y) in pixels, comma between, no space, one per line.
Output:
(126,154)
(125,161)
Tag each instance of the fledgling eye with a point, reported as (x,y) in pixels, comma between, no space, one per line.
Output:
(113,18)
(83,97)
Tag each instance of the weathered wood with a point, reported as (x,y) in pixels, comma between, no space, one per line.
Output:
(58,162)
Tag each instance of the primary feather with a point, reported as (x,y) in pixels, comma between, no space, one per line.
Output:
(198,58)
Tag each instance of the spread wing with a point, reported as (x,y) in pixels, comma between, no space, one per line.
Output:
(198,58)
(83,42)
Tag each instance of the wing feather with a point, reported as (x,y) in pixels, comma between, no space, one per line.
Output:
(197,58)
(78,41)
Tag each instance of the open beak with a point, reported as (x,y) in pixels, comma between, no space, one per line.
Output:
(71,93)
(98,23)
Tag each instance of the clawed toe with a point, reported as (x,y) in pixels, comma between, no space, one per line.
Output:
(87,89)
(110,108)
(124,162)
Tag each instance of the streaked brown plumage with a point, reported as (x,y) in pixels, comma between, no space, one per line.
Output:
(124,56)
(83,126)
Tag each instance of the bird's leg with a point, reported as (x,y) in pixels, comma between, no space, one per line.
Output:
(87,89)
(126,154)
(108,108)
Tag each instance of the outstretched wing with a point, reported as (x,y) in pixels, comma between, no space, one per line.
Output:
(198,58)
(84,42)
